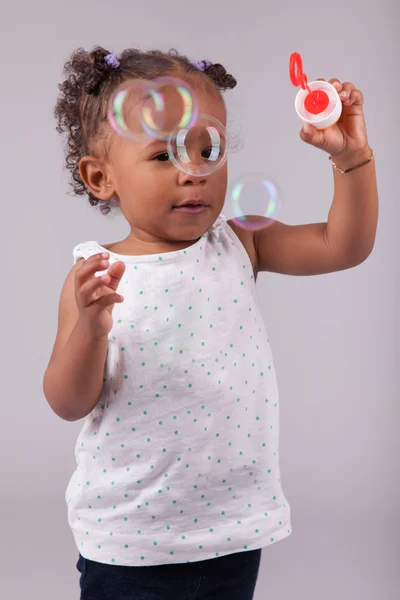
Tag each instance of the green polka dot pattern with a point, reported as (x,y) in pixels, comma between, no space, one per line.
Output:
(179,460)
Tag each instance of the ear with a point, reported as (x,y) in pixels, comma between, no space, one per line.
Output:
(95,176)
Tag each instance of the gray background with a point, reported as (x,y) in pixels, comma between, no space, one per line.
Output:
(334,337)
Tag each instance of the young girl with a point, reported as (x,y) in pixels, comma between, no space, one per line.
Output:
(161,345)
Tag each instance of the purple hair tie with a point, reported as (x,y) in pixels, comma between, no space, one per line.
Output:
(202,64)
(112,60)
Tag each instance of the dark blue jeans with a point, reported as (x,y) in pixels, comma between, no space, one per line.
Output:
(231,577)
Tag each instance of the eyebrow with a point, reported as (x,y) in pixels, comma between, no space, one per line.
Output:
(155,142)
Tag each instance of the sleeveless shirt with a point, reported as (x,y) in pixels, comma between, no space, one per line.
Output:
(179,459)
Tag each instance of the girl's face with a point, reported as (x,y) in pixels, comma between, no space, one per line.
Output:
(148,186)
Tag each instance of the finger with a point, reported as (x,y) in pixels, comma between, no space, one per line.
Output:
(347,85)
(108,299)
(356,98)
(99,294)
(346,91)
(97,306)
(311,135)
(90,266)
(114,274)
(335,82)
(117,269)
(90,285)
(92,290)
(97,263)
(348,94)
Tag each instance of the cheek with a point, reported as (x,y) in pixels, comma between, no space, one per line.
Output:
(220,180)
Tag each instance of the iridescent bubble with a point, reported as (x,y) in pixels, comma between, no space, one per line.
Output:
(198,149)
(254,194)
(144,108)
(169,102)
(125,109)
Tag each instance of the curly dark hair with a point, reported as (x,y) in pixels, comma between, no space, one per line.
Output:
(81,107)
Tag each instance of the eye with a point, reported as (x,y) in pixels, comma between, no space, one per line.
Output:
(207,152)
(162,157)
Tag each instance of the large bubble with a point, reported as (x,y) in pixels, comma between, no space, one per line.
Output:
(168,102)
(125,109)
(255,194)
(151,108)
(200,148)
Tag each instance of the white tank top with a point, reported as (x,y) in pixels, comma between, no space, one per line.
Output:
(179,459)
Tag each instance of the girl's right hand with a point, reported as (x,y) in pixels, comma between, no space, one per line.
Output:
(96,296)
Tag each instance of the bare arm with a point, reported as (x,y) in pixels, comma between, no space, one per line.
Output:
(353,216)
(73,380)
(74,377)
(346,240)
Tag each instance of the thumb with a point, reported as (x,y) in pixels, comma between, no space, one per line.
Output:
(310,134)
(115,272)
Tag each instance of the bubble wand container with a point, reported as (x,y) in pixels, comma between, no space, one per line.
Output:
(317,102)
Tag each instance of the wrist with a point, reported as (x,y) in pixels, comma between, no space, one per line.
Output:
(88,333)
(347,160)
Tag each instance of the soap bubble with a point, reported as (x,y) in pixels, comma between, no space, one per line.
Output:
(199,149)
(144,108)
(255,194)
(168,102)
(124,110)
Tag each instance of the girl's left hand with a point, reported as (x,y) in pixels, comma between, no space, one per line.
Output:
(348,137)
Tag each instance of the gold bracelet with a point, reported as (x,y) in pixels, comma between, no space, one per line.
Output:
(352,168)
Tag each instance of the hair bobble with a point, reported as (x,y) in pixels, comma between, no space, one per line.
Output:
(202,64)
(112,60)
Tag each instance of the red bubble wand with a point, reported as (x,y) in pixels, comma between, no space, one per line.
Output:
(317,100)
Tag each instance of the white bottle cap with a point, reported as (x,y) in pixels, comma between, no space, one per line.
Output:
(326,118)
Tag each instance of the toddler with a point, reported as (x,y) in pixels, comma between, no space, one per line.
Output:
(162,348)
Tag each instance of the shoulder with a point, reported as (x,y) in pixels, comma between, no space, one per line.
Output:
(246,236)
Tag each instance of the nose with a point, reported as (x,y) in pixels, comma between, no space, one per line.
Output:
(192,178)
